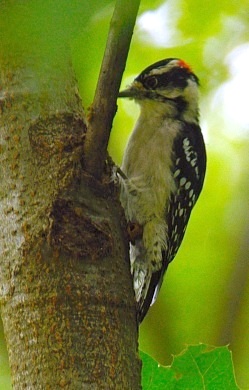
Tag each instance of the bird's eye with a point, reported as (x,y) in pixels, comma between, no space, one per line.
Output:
(151,82)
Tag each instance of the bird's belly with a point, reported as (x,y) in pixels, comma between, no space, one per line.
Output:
(144,196)
(148,168)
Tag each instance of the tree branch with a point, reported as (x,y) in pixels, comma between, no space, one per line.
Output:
(104,105)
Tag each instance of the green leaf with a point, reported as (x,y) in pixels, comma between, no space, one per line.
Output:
(154,376)
(196,368)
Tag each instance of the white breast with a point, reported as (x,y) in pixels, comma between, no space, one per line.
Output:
(147,165)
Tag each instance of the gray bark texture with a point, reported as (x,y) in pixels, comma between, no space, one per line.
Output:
(66,293)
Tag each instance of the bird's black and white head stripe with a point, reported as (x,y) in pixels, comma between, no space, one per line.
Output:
(171,72)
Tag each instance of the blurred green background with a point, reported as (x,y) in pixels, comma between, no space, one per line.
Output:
(205,295)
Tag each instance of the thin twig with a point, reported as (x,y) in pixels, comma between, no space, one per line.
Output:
(104,105)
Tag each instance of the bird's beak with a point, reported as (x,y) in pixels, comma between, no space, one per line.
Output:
(128,93)
(132,92)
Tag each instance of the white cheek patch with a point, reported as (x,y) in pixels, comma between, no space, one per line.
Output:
(191,91)
(190,94)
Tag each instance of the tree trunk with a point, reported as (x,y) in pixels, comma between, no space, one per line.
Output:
(66,293)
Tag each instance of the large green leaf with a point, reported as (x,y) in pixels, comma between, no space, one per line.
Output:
(199,367)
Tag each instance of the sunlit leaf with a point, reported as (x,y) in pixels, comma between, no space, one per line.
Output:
(198,367)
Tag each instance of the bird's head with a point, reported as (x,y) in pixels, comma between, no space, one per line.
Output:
(168,84)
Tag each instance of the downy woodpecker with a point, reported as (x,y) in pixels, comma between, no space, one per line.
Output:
(163,171)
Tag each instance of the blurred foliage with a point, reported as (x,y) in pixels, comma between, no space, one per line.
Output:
(205,296)
(4,367)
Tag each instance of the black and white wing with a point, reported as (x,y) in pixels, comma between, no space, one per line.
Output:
(189,166)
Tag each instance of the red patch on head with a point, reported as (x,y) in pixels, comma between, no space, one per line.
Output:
(183,64)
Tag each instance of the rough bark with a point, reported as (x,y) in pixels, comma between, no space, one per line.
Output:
(65,288)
